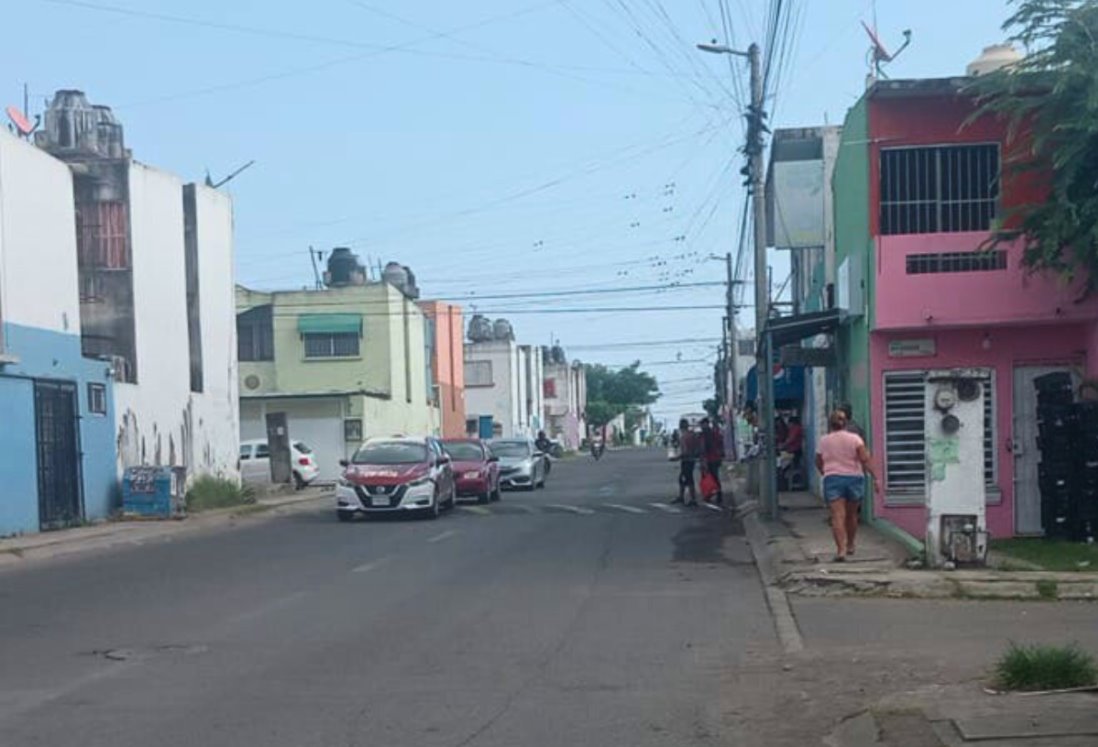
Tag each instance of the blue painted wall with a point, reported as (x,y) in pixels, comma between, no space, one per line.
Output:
(45,354)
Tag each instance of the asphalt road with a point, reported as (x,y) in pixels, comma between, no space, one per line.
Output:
(581,614)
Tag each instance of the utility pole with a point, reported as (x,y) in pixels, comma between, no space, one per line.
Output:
(764,361)
(756,126)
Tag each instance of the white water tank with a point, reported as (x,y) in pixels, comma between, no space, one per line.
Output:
(993,58)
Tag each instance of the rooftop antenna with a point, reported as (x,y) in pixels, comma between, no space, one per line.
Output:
(316,255)
(211,183)
(878,55)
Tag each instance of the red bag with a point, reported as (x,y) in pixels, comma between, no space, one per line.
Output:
(709,486)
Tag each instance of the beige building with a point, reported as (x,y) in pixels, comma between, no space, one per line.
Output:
(344,363)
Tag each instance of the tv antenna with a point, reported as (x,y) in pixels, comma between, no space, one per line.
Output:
(211,183)
(20,125)
(878,55)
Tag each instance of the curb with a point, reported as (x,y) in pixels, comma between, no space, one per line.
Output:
(139,532)
(785,624)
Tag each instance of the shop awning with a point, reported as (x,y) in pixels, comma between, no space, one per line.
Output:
(331,324)
(787,330)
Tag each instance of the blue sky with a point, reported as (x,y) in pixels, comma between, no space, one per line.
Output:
(495,146)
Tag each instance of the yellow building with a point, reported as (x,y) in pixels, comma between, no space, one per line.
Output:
(344,363)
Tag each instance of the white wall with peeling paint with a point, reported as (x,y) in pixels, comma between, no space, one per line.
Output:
(159,420)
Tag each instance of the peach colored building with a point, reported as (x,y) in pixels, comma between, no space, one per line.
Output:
(445,351)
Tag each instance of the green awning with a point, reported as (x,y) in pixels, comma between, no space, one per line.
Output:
(329,324)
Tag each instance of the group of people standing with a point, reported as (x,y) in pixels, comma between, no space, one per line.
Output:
(689,448)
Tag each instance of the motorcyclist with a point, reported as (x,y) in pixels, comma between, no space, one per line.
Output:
(545,446)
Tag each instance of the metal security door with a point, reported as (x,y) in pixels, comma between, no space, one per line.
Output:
(1027,491)
(60,503)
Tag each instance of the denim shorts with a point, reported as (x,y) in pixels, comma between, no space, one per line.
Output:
(850,487)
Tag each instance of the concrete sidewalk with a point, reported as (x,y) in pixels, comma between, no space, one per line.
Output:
(17,550)
(957,715)
(799,549)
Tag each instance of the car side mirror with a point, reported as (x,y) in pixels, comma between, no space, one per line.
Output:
(344,463)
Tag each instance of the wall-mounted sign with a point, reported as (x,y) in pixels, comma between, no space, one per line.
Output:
(919,348)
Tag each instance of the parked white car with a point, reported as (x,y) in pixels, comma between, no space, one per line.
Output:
(255,462)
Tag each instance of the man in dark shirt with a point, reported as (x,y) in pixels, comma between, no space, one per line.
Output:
(851,423)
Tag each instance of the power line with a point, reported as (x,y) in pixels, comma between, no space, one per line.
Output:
(305,308)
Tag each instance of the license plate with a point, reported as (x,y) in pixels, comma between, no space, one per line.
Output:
(380,500)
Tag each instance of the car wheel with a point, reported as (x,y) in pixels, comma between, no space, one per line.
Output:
(299,482)
(345,516)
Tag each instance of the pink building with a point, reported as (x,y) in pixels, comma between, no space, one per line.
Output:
(918,189)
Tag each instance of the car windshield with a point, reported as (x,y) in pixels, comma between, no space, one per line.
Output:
(391,452)
(511,449)
(300,446)
(464,451)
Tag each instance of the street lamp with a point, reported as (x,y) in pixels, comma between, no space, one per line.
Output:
(714,48)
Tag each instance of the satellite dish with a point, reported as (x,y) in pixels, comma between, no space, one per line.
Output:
(879,54)
(22,124)
(879,51)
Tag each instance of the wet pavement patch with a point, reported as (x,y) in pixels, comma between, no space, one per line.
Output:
(701,540)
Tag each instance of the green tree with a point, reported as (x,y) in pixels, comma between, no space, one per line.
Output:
(610,392)
(1050,100)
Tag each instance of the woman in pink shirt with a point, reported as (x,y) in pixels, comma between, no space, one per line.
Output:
(842,459)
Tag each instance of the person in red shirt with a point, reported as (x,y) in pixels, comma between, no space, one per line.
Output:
(713,454)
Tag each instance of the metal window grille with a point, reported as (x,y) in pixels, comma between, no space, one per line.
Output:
(331,345)
(989,261)
(939,189)
(905,432)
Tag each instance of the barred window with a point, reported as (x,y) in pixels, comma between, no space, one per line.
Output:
(939,189)
(905,434)
(331,345)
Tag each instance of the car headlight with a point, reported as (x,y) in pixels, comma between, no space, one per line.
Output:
(420,483)
(345,483)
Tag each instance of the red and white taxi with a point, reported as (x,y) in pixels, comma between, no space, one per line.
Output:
(396,474)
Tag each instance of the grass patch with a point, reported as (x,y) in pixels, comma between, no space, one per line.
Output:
(1050,555)
(1044,667)
(1047,589)
(209,492)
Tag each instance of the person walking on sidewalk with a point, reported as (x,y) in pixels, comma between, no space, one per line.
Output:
(713,453)
(689,451)
(842,459)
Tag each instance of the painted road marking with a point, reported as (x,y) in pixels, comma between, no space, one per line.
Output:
(572,509)
(442,536)
(665,508)
(628,509)
(478,510)
(367,567)
(712,507)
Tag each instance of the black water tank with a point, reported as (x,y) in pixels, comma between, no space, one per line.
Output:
(342,265)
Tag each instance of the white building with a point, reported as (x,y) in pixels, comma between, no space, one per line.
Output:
(156,294)
(565,390)
(503,389)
